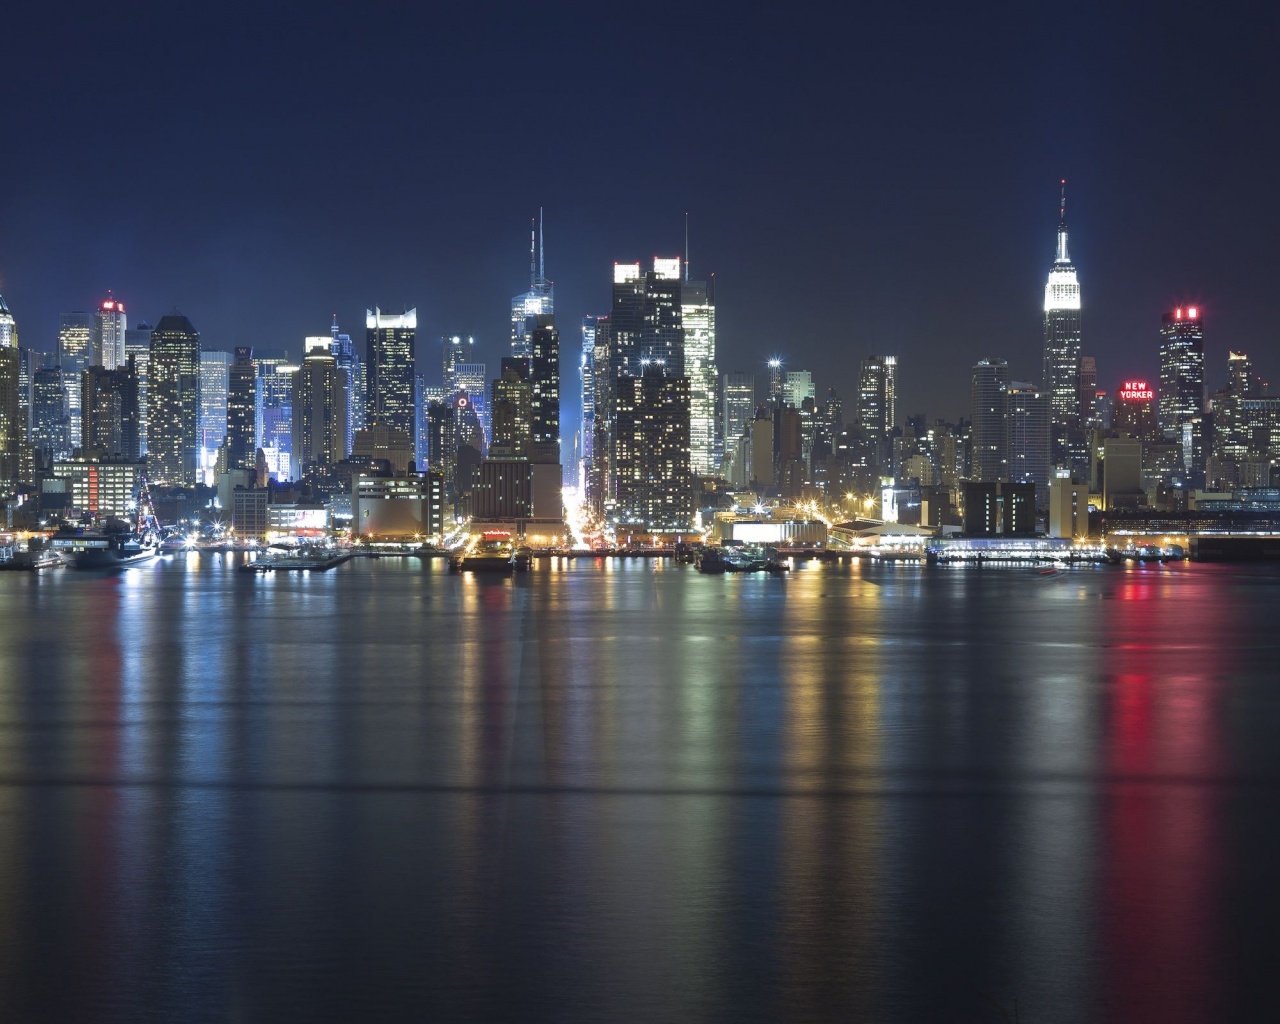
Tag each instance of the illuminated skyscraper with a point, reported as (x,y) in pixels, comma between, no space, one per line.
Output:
(472,380)
(1062,350)
(797,385)
(390,368)
(214,377)
(319,405)
(654,477)
(1028,447)
(455,349)
(698,322)
(274,419)
(137,343)
(242,410)
(1181,369)
(8,326)
(348,359)
(737,407)
(775,382)
(109,412)
(878,403)
(512,408)
(109,332)
(75,352)
(13,434)
(49,416)
(990,411)
(534,337)
(1134,412)
(587,391)
(538,301)
(173,401)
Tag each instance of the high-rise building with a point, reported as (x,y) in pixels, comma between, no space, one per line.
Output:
(587,391)
(472,380)
(319,410)
(698,322)
(1181,369)
(390,368)
(737,407)
(538,301)
(442,440)
(215,367)
(173,401)
(110,326)
(75,352)
(645,327)
(242,410)
(990,411)
(8,326)
(775,382)
(1088,391)
(28,362)
(878,402)
(654,476)
(544,383)
(49,417)
(454,350)
(109,412)
(348,359)
(1134,411)
(797,385)
(1242,381)
(13,433)
(1062,349)
(274,426)
(137,343)
(1028,447)
(512,409)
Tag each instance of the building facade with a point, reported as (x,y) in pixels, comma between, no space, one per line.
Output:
(390,366)
(989,410)
(1062,357)
(173,401)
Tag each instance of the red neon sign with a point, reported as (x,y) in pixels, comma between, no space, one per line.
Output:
(1136,391)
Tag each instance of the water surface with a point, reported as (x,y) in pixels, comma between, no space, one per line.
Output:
(625,791)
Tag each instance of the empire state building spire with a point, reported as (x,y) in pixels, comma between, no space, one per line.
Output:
(1062,256)
(1062,353)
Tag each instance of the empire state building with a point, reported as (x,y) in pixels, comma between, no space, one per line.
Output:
(1062,351)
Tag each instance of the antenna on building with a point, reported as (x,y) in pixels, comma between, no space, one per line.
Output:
(542,267)
(686,245)
(533,252)
(1063,207)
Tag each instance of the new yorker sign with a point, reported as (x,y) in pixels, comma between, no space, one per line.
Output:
(1136,391)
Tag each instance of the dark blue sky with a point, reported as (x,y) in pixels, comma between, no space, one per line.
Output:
(860,180)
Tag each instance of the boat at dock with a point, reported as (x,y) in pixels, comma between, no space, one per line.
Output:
(492,552)
(298,560)
(106,549)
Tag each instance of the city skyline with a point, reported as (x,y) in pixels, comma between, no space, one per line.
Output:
(876,177)
(847,371)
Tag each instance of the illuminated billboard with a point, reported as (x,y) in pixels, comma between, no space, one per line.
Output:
(1135,391)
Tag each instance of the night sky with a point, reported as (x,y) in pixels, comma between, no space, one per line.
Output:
(874,179)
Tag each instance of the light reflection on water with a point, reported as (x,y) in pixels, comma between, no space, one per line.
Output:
(619,790)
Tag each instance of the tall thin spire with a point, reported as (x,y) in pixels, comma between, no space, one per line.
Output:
(1062,256)
(542,266)
(686,245)
(533,253)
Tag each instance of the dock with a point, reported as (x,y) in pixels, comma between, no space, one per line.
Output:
(297,563)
